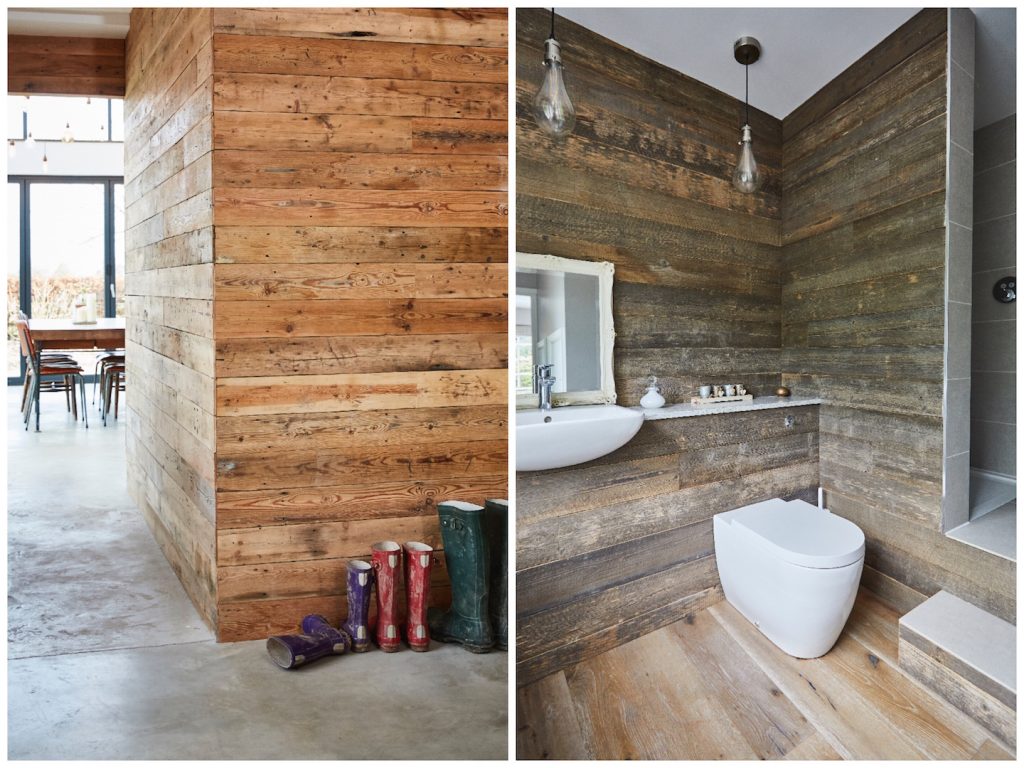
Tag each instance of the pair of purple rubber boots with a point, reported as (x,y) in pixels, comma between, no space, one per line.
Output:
(317,639)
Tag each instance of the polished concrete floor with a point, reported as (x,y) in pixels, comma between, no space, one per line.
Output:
(107,659)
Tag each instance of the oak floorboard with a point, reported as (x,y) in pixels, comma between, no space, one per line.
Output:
(546,723)
(814,747)
(645,700)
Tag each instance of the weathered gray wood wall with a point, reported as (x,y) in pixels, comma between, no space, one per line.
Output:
(615,548)
(864,188)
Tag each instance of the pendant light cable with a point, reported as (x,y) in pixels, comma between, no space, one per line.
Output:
(553,23)
(746,97)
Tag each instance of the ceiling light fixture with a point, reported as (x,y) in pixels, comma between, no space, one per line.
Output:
(68,137)
(552,108)
(46,161)
(29,141)
(746,178)
(11,147)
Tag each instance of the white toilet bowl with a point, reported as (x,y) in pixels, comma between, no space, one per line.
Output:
(792,570)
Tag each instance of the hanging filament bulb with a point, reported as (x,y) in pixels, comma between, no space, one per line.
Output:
(29,141)
(46,162)
(746,177)
(552,108)
(68,137)
(11,148)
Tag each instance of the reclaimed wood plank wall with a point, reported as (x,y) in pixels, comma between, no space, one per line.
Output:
(615,548)
(864,185)
(65,66)
(360,182)
(169,289)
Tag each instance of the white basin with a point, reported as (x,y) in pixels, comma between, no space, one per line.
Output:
(572,434)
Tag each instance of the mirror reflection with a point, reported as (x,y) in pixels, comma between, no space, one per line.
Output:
(558,323)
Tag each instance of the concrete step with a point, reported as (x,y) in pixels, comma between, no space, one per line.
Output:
(967,656)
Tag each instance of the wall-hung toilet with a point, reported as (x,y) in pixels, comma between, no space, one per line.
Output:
(792,570)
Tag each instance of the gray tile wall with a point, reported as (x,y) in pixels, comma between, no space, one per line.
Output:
(994,325)
(960,151)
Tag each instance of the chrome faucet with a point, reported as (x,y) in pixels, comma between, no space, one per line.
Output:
(543,381)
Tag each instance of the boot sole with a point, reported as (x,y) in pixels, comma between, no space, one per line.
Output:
(419,648)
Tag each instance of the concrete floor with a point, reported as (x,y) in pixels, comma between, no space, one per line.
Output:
(108,660)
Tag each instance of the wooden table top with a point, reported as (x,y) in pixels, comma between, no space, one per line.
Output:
(61,333)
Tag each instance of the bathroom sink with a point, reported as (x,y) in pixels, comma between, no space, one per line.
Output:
(572,434)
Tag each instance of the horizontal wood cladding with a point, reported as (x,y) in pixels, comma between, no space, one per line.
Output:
(359,96)
(469,26)
(303,245)
(276,55)
(310,169)
(587,535)
(363,317)
(170,352)
(617,547)
(360,312)
(65,66)
(864,174)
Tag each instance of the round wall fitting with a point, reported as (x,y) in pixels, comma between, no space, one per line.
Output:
(747,50)
(1005,289)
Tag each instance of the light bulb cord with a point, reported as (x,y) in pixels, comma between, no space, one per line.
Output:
(746,96)
(553,23)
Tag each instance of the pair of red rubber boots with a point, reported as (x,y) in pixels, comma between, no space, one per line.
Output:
(388,564)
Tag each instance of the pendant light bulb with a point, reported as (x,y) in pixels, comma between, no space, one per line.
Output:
(68,137)
(552,108)
(46,162)
(746,178)
(11,148)
(29,141)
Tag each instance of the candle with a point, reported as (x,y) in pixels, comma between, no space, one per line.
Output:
(90,307)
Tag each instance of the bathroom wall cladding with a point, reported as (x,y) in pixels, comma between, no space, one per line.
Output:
(994,325)
(863,305)
(615,548)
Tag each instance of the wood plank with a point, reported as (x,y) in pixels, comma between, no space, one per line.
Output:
(851,724)
(347,392)
(399,208)
(337,539)
(904,42)
(313,469)
(272,433)
(814,747)
(273,54)
(438,26)
(340,170)
(769,723)
(310,282)
(361,354)
(541,588)
(995,716)
(546,724)
(65,66)
(686,720)
(400,498)
(371,317)
(251,92)
(324,245)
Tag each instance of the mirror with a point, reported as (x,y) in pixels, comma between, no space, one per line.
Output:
(564,319)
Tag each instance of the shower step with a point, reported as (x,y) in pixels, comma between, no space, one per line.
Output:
(967,656)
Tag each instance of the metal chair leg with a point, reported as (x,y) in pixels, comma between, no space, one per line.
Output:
(85,408)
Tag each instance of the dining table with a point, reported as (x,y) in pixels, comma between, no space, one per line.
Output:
(65,334)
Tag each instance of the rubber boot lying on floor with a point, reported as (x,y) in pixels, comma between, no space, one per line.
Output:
(466,555)
(359,582)
(496,527)
(418,560)
(318,639)
(387,565)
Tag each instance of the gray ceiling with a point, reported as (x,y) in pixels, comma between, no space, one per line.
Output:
(804,48)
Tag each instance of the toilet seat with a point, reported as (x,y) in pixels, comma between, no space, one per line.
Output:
(802,534)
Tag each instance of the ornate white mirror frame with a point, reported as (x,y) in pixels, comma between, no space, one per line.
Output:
(605,272)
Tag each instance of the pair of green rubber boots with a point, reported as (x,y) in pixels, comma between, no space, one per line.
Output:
(475,541)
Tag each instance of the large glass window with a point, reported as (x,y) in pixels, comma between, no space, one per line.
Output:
(49,118)
(119,249)
(13,277)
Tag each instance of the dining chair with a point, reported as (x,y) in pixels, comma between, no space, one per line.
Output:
(64,368)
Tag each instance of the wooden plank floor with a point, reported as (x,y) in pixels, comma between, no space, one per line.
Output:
(712,687)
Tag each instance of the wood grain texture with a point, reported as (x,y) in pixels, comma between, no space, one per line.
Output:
(169,287)
(710,686)
(644,182)
(360,211)
(65,66)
